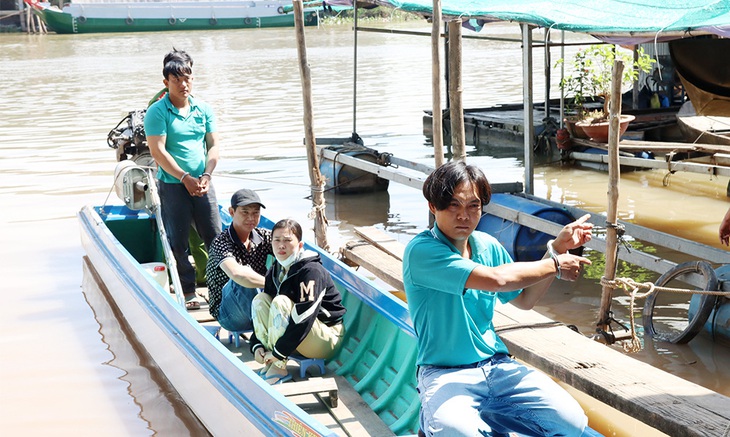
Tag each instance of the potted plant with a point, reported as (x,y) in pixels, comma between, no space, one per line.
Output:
(591,78)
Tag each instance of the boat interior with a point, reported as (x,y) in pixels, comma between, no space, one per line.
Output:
(369,386)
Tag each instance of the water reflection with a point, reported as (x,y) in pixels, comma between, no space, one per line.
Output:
(159,403)
(374,208)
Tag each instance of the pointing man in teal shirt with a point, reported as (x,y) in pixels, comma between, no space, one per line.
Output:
(453,276)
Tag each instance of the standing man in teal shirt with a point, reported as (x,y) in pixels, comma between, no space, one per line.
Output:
(453,276)
(183,140)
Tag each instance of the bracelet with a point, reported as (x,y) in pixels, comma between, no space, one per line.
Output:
(206,174)
(554,256)
(183,176)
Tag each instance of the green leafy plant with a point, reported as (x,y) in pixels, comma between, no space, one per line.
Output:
(591,76)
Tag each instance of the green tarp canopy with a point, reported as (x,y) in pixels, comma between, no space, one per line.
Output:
(621,21)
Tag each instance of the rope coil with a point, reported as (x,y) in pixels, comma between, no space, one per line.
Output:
(634,290)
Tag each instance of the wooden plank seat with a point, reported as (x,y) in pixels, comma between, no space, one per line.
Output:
(311,385)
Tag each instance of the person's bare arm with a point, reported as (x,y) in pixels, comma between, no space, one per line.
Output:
(725,229)
(535,277)
(242,275)
(211,141)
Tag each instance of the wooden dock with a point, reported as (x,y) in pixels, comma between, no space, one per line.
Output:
(654,397)
(708,159)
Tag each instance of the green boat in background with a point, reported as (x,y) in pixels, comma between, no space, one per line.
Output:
(149,16)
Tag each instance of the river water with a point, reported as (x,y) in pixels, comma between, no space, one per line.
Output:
(67,366)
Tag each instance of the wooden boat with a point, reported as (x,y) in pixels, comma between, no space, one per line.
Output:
(705,118)
(375,366)
(138,16)
(369,387)
(705,129)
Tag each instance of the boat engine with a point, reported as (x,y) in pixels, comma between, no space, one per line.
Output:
(131,183)
(129,138)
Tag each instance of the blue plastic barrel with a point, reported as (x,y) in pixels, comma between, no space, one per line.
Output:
(718,324)
(343,179)
(522,243)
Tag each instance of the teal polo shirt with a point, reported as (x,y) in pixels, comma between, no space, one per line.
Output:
(453,324)
(185,135)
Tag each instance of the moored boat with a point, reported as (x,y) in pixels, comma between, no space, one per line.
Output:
(134,16)
(376,363)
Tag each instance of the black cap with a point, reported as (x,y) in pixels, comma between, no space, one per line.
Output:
(245,197)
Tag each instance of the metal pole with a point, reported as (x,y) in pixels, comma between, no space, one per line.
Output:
(546,67)
(528,127)
(166,249)
(354,77)
(562,76)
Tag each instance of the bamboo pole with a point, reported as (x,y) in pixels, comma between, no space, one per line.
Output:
(602,326)
(437,123)
(458,141)
(315,177)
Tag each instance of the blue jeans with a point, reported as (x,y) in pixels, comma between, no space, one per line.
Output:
(235,310)
(179,211)
(495,397)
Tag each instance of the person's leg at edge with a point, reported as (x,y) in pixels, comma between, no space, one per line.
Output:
(279,313)
(447,405)
(321,341)
(528,402)
(206,216)
(200,256)
(177,217)
(260,309)
(494,400)
(234,313)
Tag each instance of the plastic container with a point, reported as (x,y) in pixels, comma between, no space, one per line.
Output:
(522,243)
(158,271)
(344,179)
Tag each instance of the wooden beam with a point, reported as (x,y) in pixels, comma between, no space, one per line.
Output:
(456,107)
(382,241)
(386,268)
(311,385)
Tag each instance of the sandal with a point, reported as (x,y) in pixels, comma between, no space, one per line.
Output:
(192,304)
(264,370)
(277,379)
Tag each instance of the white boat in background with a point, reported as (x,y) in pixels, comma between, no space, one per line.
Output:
(158,15)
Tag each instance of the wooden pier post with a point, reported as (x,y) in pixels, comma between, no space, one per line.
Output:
(613,191)
(458,140)
(316,179)
(437,124)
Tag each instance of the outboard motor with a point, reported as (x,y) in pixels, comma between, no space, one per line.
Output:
(131,183)
(129,138)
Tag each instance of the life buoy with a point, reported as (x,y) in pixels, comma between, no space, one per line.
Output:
(213,21)
(172,21)
(707,302)
(246,20)
(129,21)
(81,19)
